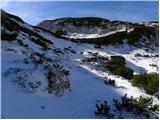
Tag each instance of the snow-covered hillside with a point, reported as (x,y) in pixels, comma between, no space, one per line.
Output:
(45,77)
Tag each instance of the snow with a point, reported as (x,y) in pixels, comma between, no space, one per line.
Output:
(82,35)
(87,81)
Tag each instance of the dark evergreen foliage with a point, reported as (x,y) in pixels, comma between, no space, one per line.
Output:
(7,36)
(59,33)
(139,31)
(142,107)
(110,82)
(117,66)
(147,81)
(103,109)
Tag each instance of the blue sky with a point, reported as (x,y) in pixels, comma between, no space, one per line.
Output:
(35,12)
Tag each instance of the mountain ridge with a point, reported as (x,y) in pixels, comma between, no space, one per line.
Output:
(99,30)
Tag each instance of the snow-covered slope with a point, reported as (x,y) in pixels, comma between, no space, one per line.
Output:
(45,77)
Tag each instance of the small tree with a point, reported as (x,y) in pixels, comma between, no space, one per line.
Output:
(147,81)
(117,66)
(60,32)
(104,110)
